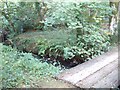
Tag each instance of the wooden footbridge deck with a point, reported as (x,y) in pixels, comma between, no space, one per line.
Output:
(100,72)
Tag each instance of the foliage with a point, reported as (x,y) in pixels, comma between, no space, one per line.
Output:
(20,68)
(85,20)
(64,47)
(94,42)
(85,38)
(88,46)
(21,16)
(77,14)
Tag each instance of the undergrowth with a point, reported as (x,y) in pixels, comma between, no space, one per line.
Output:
(19,69)
(64,47)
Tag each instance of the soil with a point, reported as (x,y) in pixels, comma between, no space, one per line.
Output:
(53,83)
(48,83)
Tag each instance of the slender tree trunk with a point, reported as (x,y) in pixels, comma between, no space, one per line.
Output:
(113,20)
(118,19)
(38,9)
(6,15)
(41,9)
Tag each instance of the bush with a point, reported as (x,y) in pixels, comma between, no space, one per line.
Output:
(88,47)
(94,43)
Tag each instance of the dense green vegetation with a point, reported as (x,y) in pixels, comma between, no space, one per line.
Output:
(62,48)
(68,33)
(19,69)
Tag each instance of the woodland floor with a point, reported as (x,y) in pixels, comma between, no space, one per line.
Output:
(49,83)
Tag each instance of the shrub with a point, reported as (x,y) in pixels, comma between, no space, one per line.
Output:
(91,43)
(94,42)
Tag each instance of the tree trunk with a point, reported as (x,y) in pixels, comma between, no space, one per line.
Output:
(6,15)
(113,20)
(41,9)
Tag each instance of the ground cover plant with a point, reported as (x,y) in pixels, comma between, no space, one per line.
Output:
(19,69)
